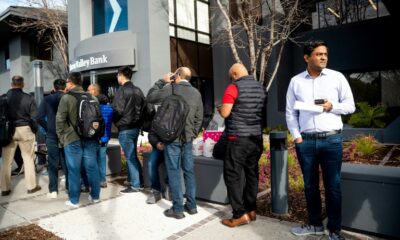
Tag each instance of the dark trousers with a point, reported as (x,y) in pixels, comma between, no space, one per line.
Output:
(55,158)
(327,153)
(242,155)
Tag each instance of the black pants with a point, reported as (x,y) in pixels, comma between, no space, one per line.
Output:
(242,155)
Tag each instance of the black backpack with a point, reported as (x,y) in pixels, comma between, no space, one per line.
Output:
(89,122)
(6,127)
(170,119)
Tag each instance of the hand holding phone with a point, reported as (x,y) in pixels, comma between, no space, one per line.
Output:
(319,101)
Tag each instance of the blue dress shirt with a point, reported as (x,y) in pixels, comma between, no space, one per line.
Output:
(331,85)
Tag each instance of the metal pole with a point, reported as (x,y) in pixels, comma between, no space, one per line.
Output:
(279,172)
(37,76)
(93,77)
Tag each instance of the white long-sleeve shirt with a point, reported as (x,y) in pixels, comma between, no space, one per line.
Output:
(331,85)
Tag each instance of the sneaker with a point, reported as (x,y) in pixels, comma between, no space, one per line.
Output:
(70,204)
(190,211)
(336,236)
(103,185)
(308,230)
(154,197)
(130,190)
(172,214)
(52,195)
(93,200)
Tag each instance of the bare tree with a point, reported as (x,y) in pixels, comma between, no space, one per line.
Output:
(48,18)
(259,35)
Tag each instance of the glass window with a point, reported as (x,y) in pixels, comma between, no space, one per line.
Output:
(172,31)
(7,58)
(203,38)
(203,24)
(192,21)
(185,13)
(109,16)
(186,34)
(336,12)
(171,11)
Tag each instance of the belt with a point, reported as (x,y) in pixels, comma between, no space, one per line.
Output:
(317,135)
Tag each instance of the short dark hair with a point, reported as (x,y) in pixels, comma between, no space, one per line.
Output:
(75,78)
(125,71)
(17,81)
(310,45)
(59,84)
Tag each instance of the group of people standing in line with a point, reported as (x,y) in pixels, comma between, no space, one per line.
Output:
(317,137)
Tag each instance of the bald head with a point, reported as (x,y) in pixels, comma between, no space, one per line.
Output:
(184,73)
(237,71)
(94,89)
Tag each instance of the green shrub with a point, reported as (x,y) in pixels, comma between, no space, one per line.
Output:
(365,146)
(367,116)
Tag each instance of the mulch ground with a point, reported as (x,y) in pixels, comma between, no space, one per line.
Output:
(29,232)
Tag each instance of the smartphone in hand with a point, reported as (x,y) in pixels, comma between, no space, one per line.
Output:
(319,101)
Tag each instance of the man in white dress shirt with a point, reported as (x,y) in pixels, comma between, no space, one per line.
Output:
(317,135)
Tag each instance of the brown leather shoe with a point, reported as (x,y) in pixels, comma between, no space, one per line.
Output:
(35,189)
(252,215)
(5,193)
(234,222)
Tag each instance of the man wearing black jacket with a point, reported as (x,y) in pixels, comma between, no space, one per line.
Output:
(127,105)
(46,117)
(21,113)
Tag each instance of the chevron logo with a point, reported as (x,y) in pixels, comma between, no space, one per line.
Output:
(117,13)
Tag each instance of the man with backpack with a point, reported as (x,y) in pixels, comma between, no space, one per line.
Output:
(79,126)
(181,104)
(127,105)
(21,110)
(46,117)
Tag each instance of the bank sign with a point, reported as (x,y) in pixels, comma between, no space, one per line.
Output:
(107,59)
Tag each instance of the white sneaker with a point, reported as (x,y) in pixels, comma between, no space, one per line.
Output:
(52,195)
(93,200)
(70,204)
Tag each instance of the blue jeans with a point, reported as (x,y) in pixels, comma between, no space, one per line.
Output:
(55,158)
(101,161)
(77,154)
(327,153)
(178,158)
(128,140)
(153,163)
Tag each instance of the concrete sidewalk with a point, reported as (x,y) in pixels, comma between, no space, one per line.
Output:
(127,216)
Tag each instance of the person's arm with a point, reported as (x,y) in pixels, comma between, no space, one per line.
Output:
(345,105)
(62,117)
(118,105)
(158,92)
(41,115)
(228,100)
(198,116)
(292,115)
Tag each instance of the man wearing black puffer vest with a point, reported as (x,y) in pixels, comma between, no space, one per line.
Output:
(242,107)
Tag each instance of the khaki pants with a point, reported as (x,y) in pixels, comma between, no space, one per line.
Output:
(25,139)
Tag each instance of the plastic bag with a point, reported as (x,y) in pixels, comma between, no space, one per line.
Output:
(198,146)
(208,147)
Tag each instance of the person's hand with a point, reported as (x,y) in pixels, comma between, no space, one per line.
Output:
(160,146)
(167,77)
(326,105)
(298,140)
